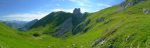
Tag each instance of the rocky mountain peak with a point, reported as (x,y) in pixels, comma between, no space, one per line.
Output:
(77,15)
(77,12)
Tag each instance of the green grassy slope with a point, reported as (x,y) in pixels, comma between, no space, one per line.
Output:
(9,38)
(128,28)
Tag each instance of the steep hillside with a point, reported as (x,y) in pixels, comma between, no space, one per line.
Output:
(128,27)
(49,23)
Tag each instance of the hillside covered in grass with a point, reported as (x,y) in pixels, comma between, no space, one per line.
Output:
(125,25)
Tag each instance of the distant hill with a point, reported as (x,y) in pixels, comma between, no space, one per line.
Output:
(15,24)
(28,25)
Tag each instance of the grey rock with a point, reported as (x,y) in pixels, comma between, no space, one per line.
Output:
(77,12)
(63,28)
(81,27)
(110,46)
(77,16)
(97,41)
(99,19)
(146,10)
(128,3)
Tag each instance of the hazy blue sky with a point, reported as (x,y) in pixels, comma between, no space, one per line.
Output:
(35,9)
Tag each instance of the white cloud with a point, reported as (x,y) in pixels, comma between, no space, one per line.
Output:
(66,10)
(24,16)
(69,10)
(105,5)
(84,10)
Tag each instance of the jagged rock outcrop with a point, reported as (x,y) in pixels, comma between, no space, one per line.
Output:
(80,27)
(77,12)
(128,3)
(63,28)
(77,16)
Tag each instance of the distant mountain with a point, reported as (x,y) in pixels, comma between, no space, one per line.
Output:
(60,23)
(55,18)
(0,20)
(15,24)
(49,24)
(28,25)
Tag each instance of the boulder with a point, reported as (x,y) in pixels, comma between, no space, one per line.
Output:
(99,19)
(98,41)
(110,46)
(146,10)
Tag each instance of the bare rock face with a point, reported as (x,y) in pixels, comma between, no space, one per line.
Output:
(110,46)
(63,28)
(128,3)
(81,27)
(69,24)
(77,12)
(76,19)
(77,16)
